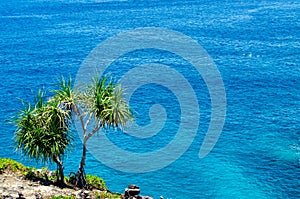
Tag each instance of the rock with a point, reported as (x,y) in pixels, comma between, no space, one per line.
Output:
(132,193)
(38,196)
(20,186)
(21,196)
(82,195)
(137,197)
(7,197)
(147,197)
(144,197)
(34,184)
(9,193)
(132,190)
(45,183)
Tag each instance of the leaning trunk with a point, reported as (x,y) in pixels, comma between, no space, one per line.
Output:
(61,179)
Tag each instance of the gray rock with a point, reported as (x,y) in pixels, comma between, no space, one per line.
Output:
(20,186)
(82,195)
(145,197)
(21,196)
(38,196)
(7,197)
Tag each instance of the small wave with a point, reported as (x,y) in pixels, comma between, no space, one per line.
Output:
(26,16)
(85,1)
(275,7)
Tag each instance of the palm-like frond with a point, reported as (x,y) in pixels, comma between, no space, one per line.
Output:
(65,94)
(40,98)
(106,102)
(118,112)
(43,131)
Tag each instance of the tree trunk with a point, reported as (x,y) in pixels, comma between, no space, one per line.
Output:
(83,157)
(61,179)
(80,181)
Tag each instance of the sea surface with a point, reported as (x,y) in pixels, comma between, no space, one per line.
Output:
(255,46)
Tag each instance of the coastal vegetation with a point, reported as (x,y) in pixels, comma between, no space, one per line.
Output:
(98,105)
(43,129)
(44,177)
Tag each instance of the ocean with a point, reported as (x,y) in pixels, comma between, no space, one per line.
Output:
(255,46)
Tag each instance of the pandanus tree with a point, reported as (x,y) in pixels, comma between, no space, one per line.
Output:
(99,105)
(42,131)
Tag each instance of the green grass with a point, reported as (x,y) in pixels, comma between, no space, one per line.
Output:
(7,164)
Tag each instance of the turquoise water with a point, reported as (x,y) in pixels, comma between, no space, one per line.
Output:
(255,45)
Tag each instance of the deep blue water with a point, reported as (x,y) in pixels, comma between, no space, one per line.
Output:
(254,44)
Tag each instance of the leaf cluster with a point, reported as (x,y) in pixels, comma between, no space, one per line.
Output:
(107,195)
(42,131)
(104,99)
(96,182)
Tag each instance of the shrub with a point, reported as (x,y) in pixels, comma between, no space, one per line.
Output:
(29,173)
(7,164)
(105,195)
(96,182)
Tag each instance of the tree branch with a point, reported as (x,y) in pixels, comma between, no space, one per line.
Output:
(77,112)
(88,120)
(96,129)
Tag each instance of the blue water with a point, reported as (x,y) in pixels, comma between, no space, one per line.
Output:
(256,47)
